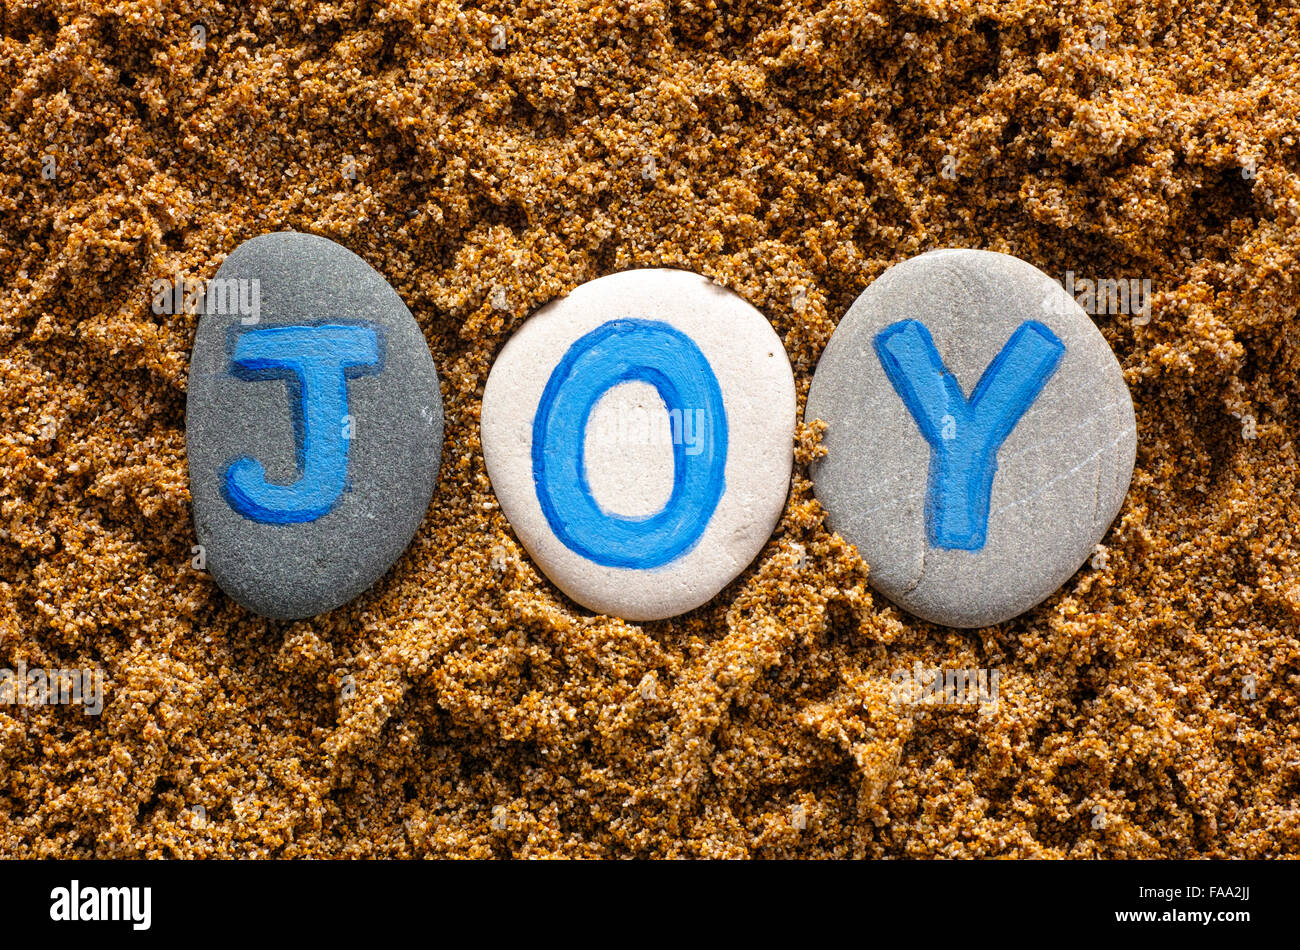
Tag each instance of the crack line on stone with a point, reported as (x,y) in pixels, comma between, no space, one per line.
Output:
(1048,484)
(925,550)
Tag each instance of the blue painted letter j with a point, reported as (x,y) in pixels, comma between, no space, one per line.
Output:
(315,363)
(965,435)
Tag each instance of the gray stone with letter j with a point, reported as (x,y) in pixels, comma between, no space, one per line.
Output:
(313,425)
(980,436)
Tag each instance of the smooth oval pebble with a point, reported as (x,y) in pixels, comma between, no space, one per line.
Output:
(313,425)
(980,436)
(638,434)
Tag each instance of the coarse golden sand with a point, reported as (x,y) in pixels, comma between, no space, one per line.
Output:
(791,151)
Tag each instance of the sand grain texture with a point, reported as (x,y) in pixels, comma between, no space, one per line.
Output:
(791,151)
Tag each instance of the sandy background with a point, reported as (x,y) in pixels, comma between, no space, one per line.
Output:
(463,707)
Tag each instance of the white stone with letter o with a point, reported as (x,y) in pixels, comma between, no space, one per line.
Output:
(639,437)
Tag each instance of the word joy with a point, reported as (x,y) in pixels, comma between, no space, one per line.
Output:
(315,363)
(639,435)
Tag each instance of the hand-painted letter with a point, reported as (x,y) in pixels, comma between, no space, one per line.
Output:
(315,363)
(617,352)
(965,435)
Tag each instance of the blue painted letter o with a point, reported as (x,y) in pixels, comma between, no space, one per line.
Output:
(622,351)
